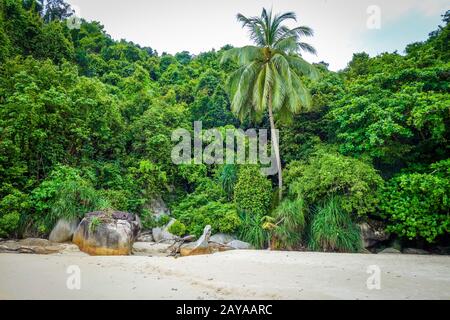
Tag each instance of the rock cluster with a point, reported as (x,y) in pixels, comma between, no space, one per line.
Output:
(119,233)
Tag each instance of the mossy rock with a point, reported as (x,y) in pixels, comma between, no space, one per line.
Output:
(107,233)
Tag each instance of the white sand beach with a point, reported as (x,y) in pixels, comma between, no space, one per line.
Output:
(240,274)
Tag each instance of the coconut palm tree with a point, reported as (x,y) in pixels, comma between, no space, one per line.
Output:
(268,78)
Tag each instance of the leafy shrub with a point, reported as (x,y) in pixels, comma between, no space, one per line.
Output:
(418,204)
(149,220)
(289,223)
(45,193)
(162,220)
(221,216)
(12,207)
(177,228)
(328,173)
(150,176)
(252,193)
(206,206)
(332,229)
(193,173)
(117,199)
(252,229)
(64,194)
(9,224)
(207,190)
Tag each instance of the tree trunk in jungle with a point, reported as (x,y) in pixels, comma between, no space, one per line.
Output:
(276,148)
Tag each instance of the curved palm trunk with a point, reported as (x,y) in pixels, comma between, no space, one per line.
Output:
(276,148)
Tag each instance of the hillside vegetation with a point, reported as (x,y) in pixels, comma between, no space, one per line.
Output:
(86,124)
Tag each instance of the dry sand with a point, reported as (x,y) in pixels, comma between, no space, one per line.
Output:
(244,274)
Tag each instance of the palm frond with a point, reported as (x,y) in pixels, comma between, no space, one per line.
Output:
(288,40)
(288,45)
(303,31)
(279,18)
(279,91)
(307,47)
(258,90)
(255,28)
(282,85)
(233,79)
(244,20)
(281,32)
(268,82)
(302,94)
(301,67)
(243,55)
(241,103)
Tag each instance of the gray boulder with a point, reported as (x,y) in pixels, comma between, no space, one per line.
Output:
(390,251)
(442,250)
(145,237)
(237,244)
(163,234)
(158,207)
(372,232)
(152,249)
(107,233)
(415,251)
(222,238)
(63,230)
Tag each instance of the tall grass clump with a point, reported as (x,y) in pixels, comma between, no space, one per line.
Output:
(288,224)
(228,178)
(332,229)
(251,230)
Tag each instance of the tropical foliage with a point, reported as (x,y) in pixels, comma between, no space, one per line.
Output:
(418,204)
(86,123)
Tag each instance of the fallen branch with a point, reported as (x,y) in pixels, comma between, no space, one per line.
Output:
(175,247)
